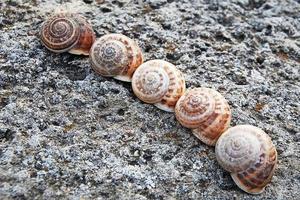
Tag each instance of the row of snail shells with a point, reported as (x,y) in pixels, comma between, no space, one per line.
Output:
(66,32)
(248,153)
(245,151)
(115,55)
(160,83)
(205,111)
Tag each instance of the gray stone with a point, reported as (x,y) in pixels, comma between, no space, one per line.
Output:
(67,133)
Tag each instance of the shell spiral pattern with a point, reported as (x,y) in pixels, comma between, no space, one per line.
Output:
(67,32)
(205,111)
(158,82)
(249,155)
(115,55)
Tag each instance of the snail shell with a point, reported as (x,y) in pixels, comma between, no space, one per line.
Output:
(205,111)
(66,32)
(115,55)
(248,153)
(160,83)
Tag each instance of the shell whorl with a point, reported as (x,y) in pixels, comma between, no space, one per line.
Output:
(60,33)
(159,82)
(206,111)
(150,83)
(67,32)
(194,107)
(248,153)
(115,55)
(111,56)
(239,148)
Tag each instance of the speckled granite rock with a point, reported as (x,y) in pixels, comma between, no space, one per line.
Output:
(66,133)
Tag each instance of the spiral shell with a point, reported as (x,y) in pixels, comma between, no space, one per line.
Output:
(160,83)
(115,55)
(205,111)
(67,32)
(248,153)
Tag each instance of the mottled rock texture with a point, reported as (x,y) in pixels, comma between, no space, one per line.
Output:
(67,133)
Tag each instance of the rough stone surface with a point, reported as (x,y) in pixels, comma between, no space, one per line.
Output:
(66,132)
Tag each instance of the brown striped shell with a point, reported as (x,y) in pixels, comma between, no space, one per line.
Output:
(248,153)
(205,111)
(158,82)
(115,55)
(66,32)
